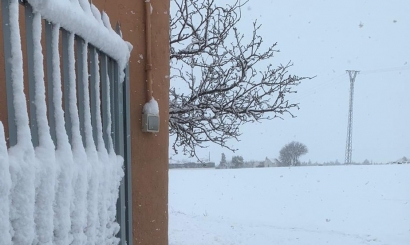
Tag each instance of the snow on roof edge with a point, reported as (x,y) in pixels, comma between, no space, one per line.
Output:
(71,16)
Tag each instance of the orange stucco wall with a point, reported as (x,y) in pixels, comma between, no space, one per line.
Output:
(149,151)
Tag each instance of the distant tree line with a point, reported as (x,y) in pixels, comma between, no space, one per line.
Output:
(236,162)
(289,155)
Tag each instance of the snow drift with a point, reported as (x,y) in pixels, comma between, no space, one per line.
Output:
(336,205)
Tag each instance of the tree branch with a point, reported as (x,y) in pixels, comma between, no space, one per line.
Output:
(218,79)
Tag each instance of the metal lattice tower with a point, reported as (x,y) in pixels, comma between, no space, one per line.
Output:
(348,156)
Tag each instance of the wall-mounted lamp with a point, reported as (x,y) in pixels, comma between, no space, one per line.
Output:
(150,123)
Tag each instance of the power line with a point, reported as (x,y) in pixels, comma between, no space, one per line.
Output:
(390,69)
(309,91)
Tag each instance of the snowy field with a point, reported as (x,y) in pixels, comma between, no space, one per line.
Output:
(339,205)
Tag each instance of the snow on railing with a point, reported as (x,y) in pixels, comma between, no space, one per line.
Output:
(85,20)
(60,176)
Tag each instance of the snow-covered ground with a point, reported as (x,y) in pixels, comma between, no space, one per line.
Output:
(339,205)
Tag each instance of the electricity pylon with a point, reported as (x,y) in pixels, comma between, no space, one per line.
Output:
(348,155)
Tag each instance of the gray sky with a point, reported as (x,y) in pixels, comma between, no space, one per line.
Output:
(323,39)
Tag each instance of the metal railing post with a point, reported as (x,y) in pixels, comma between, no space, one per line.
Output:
(66,82)
(104,98)
(111,72)
(5,14)
(93,97)
(80,48)
(127,156)
(50,80)
(123,142)
(29,16)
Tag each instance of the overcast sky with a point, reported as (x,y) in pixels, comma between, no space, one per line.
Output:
(324,39)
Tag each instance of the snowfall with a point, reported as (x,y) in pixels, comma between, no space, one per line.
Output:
(338,205)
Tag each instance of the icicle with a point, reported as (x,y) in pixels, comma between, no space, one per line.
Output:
(102,155)
(21,156)
(112,170)
(92,156)
(106,21)
(64,156)
(5,185)
(96,14)
(85,5)
(79,204)
(45,156)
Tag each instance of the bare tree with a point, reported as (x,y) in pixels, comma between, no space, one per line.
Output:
(237,162)
(220,79)
(290,153)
